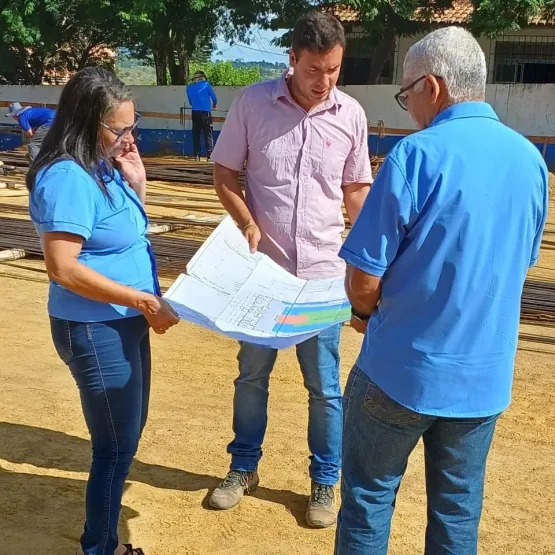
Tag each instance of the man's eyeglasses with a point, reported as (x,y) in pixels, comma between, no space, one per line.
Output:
(402,97)
(120,133)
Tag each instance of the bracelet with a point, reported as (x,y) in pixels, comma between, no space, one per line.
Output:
(247,226)
(360,316)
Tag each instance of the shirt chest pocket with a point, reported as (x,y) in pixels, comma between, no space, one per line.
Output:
(279,156)
(332,156)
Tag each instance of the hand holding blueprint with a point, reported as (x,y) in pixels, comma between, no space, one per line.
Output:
(249,297)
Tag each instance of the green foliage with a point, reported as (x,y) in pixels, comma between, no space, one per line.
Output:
(492,17)
(202,53)
(268,70)
(42,38)
(176,32)
(225,74)
(45,39)
(136,72)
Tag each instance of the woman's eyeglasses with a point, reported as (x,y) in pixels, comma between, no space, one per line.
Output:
(402,97)
(120,134)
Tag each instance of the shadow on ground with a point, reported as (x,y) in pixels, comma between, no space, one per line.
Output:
(46,513)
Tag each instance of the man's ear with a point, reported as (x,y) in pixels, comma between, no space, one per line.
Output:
(437,86)
(292,57)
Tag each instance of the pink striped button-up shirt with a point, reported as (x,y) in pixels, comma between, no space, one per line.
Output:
(297,166)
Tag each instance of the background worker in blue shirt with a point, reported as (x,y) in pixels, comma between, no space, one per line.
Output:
(35,122)
(437,262)
(203,100)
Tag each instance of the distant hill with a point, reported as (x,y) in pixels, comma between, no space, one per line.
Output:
(268,70)
(136,72)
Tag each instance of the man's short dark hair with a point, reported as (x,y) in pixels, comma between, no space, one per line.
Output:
(318,32)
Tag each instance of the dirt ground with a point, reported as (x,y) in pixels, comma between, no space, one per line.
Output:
(44,450)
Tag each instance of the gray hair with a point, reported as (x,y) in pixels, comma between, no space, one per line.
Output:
(453,54)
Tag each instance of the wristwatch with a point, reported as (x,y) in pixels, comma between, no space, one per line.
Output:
(359,316)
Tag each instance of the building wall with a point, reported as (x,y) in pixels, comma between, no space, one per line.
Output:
(164,127)
(488,46)
(404,43)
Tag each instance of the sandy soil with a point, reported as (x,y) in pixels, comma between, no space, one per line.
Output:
(44,450)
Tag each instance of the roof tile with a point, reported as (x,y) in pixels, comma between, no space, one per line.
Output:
(459,14)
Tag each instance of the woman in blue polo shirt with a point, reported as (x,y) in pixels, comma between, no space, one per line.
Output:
(87,189)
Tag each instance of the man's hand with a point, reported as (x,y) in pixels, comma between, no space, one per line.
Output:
(215,107)
(252,234)
(358,326)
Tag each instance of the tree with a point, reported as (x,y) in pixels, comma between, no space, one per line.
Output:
(202,53)
(169,32)
(385,20)
(46,38)
(225,74)
(43,39)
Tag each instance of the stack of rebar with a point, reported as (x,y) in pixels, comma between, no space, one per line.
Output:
(538,303)
(172,253)
(174,170)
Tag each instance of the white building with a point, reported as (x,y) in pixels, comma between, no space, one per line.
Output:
(524,56)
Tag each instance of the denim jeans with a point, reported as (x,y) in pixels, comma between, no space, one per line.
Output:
(110,361)
(379,436)
(35,142)
(319,361)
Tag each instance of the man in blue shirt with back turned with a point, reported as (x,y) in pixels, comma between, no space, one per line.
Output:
(437,262)
(35,122)
(203,100)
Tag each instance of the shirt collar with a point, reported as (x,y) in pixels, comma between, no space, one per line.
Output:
(281,90)
(465,110)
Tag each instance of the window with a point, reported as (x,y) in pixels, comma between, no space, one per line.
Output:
(524,59)
(357,63)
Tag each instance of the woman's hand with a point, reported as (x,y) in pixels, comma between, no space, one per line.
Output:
(131,167)
(159,314)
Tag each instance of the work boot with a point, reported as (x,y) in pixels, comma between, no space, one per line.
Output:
(321,512)
(233,487)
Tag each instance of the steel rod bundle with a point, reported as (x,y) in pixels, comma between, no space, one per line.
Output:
(172,253)
(175,170)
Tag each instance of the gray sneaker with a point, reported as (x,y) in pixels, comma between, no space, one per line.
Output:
(321,512)
(233,487)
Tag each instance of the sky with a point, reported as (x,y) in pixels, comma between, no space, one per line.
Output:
(259,49)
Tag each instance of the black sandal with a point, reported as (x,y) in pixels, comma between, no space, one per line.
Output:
(133,551)
(130,550)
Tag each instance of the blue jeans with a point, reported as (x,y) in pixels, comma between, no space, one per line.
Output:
(379,436)
(110,361)
(319,360)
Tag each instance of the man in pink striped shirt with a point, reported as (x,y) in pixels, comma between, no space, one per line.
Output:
(306,148)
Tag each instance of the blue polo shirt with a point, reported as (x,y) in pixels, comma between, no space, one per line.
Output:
(451,225)
(67,199)
(33,118)
(201,96)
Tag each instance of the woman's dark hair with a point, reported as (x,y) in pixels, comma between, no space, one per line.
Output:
(318,32)
(75,133)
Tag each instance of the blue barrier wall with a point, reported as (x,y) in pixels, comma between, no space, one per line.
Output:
(179,142)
